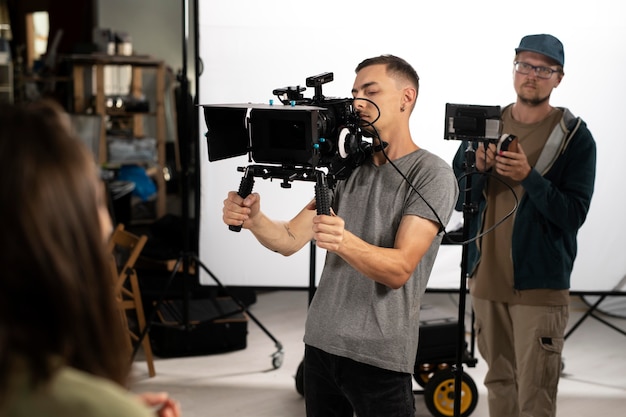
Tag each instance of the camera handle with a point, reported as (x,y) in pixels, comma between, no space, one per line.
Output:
(322,197)
(287,174)
(245,188)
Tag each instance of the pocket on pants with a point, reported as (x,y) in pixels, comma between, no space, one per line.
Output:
(552,344)
(551,348)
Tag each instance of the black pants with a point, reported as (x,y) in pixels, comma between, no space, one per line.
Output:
(340,387)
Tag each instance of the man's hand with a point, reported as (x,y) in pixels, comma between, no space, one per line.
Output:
(485,157)
(513,165)
(328,231)
(238,211)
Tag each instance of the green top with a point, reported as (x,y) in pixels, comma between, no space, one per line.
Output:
(71,393)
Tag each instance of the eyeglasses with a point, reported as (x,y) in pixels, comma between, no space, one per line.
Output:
(541,72)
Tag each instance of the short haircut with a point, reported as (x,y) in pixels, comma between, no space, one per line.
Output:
(396,66)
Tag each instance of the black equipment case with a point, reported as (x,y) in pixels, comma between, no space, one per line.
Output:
(214,325)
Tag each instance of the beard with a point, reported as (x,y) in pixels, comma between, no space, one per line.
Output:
(534,100)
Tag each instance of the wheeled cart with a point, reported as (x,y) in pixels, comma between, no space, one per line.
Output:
(435,368)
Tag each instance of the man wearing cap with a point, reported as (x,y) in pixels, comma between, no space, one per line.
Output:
(520,271)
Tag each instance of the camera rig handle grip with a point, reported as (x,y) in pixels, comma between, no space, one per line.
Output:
(323,183)
(245,188)
(322,197)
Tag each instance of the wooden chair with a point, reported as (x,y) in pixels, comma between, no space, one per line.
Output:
(125,248)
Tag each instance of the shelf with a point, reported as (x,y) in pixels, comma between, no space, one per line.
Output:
(82,65)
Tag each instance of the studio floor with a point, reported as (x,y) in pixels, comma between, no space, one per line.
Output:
(244,383)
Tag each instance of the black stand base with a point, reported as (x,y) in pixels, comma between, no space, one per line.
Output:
(193,327)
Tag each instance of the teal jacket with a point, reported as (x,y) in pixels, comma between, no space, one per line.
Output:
(554,206)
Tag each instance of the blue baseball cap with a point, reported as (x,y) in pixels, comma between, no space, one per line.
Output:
(543,44)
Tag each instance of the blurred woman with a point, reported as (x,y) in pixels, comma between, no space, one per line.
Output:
(62,352)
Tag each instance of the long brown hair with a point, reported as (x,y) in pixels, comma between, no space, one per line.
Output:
(56,296)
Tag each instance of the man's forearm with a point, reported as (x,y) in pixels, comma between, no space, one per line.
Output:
(280,236)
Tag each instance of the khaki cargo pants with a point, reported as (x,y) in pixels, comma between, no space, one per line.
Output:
(522,347)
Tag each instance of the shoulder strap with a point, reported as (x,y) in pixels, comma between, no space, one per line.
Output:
(558,141)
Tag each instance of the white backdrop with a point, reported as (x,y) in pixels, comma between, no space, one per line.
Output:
(463,53)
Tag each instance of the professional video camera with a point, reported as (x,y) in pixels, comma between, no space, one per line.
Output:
(300,134)
(297,138)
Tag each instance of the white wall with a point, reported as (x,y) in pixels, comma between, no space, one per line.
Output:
(463,52)
(155,26)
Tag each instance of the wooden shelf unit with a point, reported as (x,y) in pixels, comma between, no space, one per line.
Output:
(80,64)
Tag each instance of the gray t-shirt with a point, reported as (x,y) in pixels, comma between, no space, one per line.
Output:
(353,316)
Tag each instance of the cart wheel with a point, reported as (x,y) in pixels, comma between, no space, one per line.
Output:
(425,371)
(300,379)
(439,394)
(277,359)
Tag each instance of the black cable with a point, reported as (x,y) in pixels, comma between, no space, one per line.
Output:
(442,227)
(498,223)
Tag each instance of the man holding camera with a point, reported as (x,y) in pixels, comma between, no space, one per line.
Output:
(381,240)
(520,271)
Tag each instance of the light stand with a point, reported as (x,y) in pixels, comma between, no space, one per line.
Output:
(187,257)
(469,209)
(184,156)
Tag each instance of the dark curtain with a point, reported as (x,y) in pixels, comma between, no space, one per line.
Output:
(76,18)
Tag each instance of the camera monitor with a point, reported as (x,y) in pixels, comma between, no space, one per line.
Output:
(472,122)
